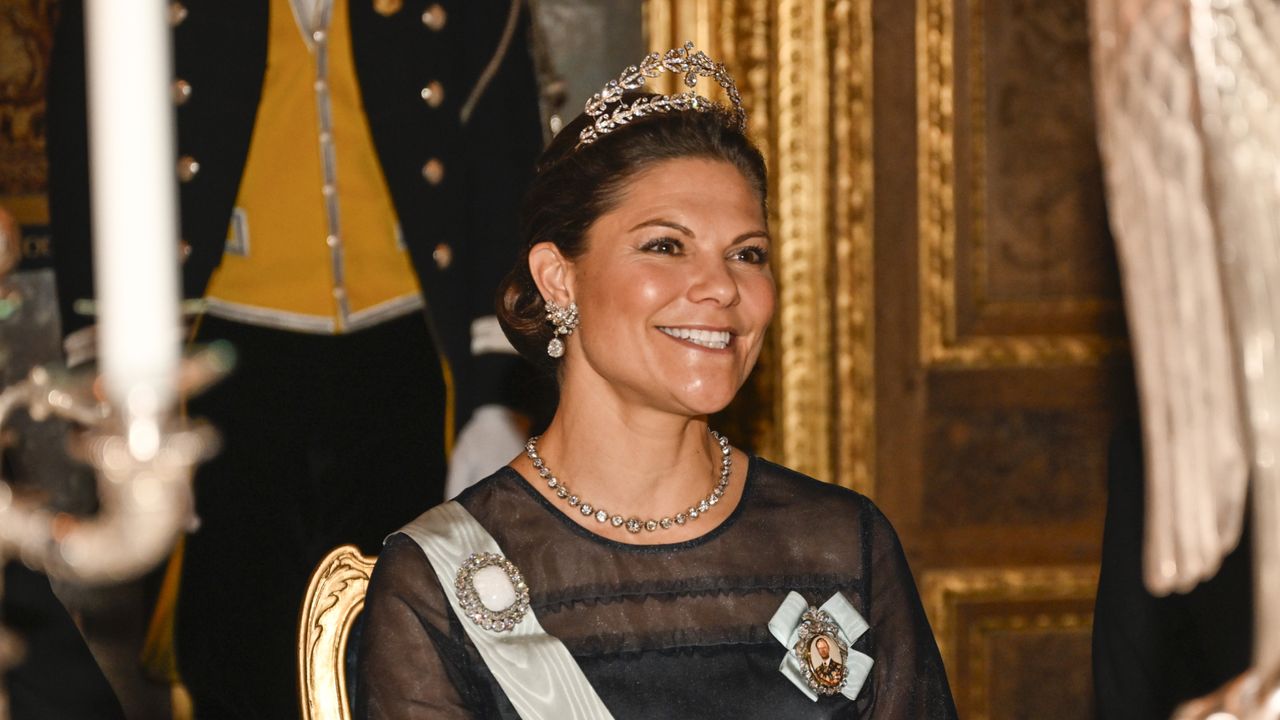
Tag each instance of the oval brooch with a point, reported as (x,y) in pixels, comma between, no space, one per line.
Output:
(821,652)
(492,592)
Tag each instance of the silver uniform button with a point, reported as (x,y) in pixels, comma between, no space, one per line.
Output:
(177,13)
(187,168)
(433,171)
(443,255)
(434,17)
(181,91)
(184,250)
(433,94)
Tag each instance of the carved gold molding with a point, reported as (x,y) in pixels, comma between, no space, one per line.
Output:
(945,591)
(335,596)
(853,236)
(800,204)
(804,69)
(936,87)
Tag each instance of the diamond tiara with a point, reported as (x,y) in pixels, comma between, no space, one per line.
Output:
(610,112)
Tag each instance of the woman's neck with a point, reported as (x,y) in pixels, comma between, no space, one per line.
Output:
(637,465)
(629,457)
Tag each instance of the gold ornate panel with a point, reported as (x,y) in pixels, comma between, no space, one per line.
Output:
(26,38)
(964,324)
(804,69)
(993,624)
(852,235)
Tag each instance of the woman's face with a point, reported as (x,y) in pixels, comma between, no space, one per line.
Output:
(674,289)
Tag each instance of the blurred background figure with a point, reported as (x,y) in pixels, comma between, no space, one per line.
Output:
(349,177)
(1150,653)
(1189,130)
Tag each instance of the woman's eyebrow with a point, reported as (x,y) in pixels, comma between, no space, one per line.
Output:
(753,234)
(659,222)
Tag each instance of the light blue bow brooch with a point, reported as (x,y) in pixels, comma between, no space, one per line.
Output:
(818,659)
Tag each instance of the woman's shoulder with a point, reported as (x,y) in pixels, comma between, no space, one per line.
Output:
(400,549)
(401,553)
(808,499)
(783,483)
(502,486)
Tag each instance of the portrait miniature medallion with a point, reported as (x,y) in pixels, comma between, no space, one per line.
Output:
(822,652)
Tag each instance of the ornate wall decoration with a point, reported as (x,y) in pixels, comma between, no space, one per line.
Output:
(804,69)
(853,235)
(26,38)
(992,624)
(1016,264)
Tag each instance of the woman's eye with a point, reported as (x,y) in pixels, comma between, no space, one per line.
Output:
(754,255)
(663,246)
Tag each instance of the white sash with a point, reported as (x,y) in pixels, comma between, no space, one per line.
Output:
(538,674)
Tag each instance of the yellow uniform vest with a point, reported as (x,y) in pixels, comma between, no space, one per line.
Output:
(313,245)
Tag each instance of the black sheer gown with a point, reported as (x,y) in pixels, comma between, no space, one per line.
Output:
(662,631)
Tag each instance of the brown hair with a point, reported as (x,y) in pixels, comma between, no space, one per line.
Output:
(575,186)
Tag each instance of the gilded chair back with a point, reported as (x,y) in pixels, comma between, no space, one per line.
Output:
(334,600)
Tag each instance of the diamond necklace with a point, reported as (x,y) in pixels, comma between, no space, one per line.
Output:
(633,523)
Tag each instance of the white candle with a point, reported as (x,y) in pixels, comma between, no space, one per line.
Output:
(131,136)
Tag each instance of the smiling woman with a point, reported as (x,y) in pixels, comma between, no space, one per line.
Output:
(657,571)
(674,289)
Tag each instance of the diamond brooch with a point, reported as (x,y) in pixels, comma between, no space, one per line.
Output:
(821,652)
(819,660)
(492,592)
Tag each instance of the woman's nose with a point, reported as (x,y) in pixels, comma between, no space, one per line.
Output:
(713,281)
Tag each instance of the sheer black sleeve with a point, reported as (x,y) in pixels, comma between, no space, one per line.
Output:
(908,680)
(412,657)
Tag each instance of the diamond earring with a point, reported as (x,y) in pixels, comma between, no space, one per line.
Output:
(565,321)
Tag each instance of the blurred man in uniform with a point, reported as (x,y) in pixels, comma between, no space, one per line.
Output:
(350,173)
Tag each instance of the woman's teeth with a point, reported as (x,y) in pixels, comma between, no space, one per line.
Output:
(714,339)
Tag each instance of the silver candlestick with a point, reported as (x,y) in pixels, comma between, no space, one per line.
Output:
(144,502)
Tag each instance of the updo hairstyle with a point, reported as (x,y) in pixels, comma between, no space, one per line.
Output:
(574,186)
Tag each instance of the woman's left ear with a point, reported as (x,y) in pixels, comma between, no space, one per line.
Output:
(552,272)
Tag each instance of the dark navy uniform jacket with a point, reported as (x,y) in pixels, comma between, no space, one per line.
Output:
(460,225)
